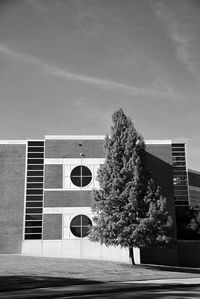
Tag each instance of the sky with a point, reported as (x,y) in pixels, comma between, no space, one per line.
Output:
(67,65)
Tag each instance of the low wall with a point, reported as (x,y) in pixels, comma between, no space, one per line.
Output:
(185,254)
(189,252)
(82,249)
(160,257)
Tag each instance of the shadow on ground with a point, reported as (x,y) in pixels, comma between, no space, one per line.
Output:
(10,283)
(168,268)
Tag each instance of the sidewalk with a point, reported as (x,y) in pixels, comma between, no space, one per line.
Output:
(101,288)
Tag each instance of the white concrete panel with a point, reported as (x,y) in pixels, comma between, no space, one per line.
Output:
(66,219)
(71,249)
(75,137)
(78,248)
(96,184)
(163,141)
(91,250)
(32,247)
(52,210)
(53,161)
(10,142)
(67,170)
(136,254)
(66,233)
(77,210)
(74,161)
(124,255)
(111,253)
(52,248)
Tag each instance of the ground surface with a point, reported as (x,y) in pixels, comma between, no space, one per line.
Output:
(183,293)
(20,272)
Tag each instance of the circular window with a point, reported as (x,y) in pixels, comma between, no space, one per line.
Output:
(81,176)
(80,226)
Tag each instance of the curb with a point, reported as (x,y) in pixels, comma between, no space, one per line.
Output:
(171,268)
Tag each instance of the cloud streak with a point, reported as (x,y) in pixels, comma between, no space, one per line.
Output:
(183,40)
(37,5)
(56,72)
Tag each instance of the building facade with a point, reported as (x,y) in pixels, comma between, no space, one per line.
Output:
(46,194)
(194,187)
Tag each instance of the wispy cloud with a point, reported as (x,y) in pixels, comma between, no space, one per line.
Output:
(181,37)
(38,5)
(54,71)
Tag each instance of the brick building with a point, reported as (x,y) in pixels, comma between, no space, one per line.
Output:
(45,195)
(194,187)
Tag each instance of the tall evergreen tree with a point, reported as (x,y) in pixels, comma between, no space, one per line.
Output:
(129,209)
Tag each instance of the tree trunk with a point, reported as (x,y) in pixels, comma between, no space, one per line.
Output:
(131,256)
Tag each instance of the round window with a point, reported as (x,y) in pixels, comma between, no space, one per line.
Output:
(80,226)
(81,176)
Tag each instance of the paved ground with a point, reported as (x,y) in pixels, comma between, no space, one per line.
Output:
(22,277)
(144,294)
(150,289)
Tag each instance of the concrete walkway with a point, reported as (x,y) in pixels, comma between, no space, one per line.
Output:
(182,281)
(101,288)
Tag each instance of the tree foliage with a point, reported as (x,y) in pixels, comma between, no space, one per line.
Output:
(188,223)
(129,208)
(194,224)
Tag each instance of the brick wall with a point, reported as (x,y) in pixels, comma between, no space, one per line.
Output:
(159,162)
(189,253)
(53,176)
(72,148)
(160,257)
(52,227)
(12,179)
(67,198)
(194,178)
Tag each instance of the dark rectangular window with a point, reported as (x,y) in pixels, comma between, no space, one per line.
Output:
(35,143)
(34,173)
(34,179)
(33,217)
(33,191)
(33,204)
(181,203)
(35,167)
(33,223)
(178,154)
(178,163)
(182,159)
(178,145)
(36,155)
(35,161)
(177,171)
(180,197)
(34,211)
(180,168)
(33,198)
(36,149)
(180,193)
(180,180)
(29,230)
(34,185)
(180,187)
(178,149)
(33,237)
